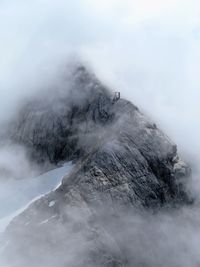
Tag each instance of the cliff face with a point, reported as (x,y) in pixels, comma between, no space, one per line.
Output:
(55,125)
(122,162)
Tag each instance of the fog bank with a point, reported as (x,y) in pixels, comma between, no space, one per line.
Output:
(148,50)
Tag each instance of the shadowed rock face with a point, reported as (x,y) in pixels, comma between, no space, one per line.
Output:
(123,162)
(54,125)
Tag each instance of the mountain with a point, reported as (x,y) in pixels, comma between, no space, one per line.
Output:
(123,164)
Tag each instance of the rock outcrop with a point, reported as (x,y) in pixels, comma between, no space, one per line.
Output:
(122,162)
(57,123)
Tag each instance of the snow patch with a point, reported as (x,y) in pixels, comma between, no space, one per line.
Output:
(19,195)
(51,203)
(47,220)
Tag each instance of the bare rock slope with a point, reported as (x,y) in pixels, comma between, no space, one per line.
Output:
(122,162)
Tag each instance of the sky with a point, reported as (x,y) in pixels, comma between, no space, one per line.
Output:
(148,49)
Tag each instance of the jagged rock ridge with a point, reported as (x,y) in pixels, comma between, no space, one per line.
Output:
(123,161)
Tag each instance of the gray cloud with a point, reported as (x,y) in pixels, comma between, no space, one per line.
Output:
(149,53)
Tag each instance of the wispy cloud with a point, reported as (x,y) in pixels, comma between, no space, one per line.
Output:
(147,49)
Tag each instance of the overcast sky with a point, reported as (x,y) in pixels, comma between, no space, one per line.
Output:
(147,49)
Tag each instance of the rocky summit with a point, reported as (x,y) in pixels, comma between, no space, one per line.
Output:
(123,163)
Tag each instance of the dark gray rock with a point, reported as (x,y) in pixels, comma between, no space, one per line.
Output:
(123,161)
(53,124)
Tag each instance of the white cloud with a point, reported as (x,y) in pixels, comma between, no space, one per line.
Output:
(148,49)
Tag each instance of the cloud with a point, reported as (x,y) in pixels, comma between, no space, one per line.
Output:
(148,49)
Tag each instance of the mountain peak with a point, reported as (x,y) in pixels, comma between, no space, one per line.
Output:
(122,161)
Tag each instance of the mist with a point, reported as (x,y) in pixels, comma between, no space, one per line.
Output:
(147,50)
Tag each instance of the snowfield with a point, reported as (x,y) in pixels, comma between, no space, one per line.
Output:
(17,195)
